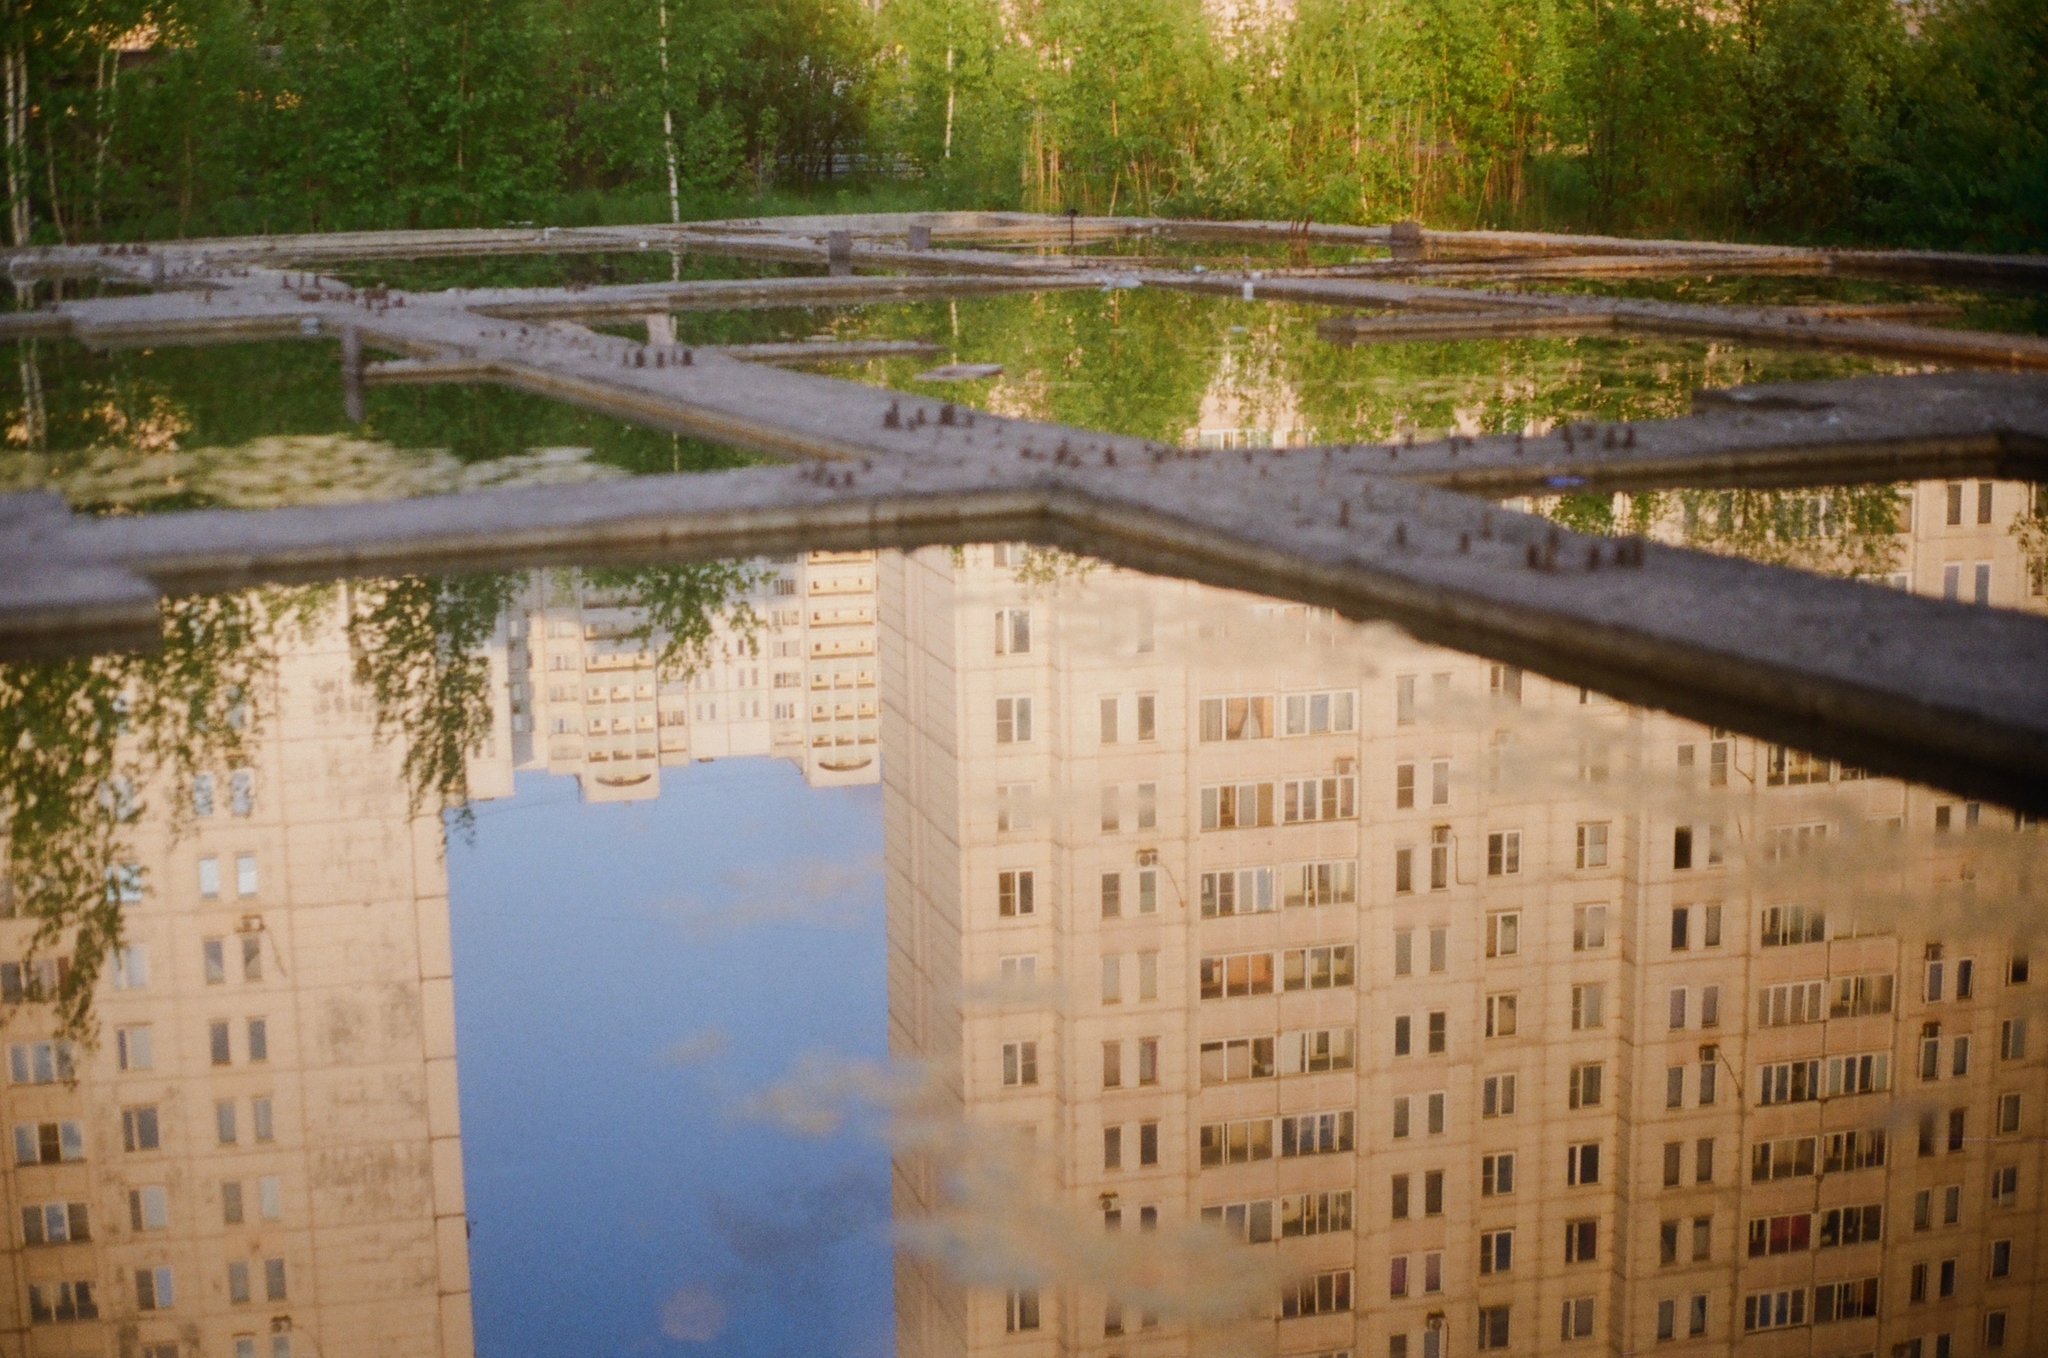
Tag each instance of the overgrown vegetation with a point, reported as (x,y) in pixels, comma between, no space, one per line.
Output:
(1796,119)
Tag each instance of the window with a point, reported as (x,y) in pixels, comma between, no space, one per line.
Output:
(1435,1116)
(133,1049)
(1437,1018)
(1712,930)
(1313,1134)
(1404,700)
(1581,1240)
(1583,1086)
(2008,1113)
(1774,1310)
(1675,1017)
(1310,714)
(252,957)
(49,1302)
(1148,725)
(1240,1058)
(1785,925)
(1844,1301)
(1237,806)
(1310,1051)
(1438,946)
(1239,718)
(1855,996)
(1404,870)
(50,1143)
(1994,1330)
(1504,933)
(245,874)
(1112,895)
(216,963)
(1496,1252)
(1780,1234)
(1433,1193)
(54,1223)
(1589,927)
(1493,1327)
(1112,1065)
(209,877)
(1439,782)
(1592,845)
(1854,1150)
(1681,928)
(1674,1160)
(1578,1318)
(1582,1163)
(2016,970)
(1315,799)
(1112,1137)
(1020,1064)
(1020,1310)
(1318,968)
(1674,1086)
(1013,806)
(1148,806)
(1014,894)
(1238,1143)
(1500,1015)
(1013,632)
(1403,1034)
(1710,1006)
(39,1063)
(1497,1174)
(1327,883)
(1112,812)
(1866,1073)
(130,966)
(1399,1198)
(1851,1225)
(1148,892)
(1404,786)
(139,1130)
(2012,1040)
(1588,1006)
(153,1290)
(1400,1116)
(1788,1082)
(1397,1286)
(224,1122)
(1504,853)
(1497,1096)
(1439,860)
(241,791)
(1108,720)
(1148,1144)
(1667,1313)
(1702,1241)
(1320,1294)
(1785,1159)
(1247,891)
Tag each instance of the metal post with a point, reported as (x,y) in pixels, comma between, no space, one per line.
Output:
(352,374)
(839,253)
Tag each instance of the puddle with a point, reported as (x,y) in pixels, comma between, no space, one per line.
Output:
(256,425)
(715,955)
(2006,311)
(1223,373)
(1972,541)
(596,269)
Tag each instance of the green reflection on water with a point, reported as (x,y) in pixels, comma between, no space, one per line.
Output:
(250,425)
(596,269)
(1194,369)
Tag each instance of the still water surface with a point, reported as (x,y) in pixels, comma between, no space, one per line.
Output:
(984,950)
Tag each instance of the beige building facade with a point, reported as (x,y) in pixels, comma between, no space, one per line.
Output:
(1492,1014)
(262,1158)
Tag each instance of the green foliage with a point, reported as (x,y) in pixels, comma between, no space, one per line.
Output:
(1789,119)
(79,742)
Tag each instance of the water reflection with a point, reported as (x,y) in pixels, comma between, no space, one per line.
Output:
(1245,980)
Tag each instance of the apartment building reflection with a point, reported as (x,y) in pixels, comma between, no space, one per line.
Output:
(1509,1017)
(262,1158)
(787,670)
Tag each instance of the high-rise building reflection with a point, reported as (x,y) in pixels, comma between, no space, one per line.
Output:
(1489,1013)
(262,1156)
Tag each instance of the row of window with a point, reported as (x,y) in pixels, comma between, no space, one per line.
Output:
(155,1290)
(1298,969)
(1294,1214)
(55,1223)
